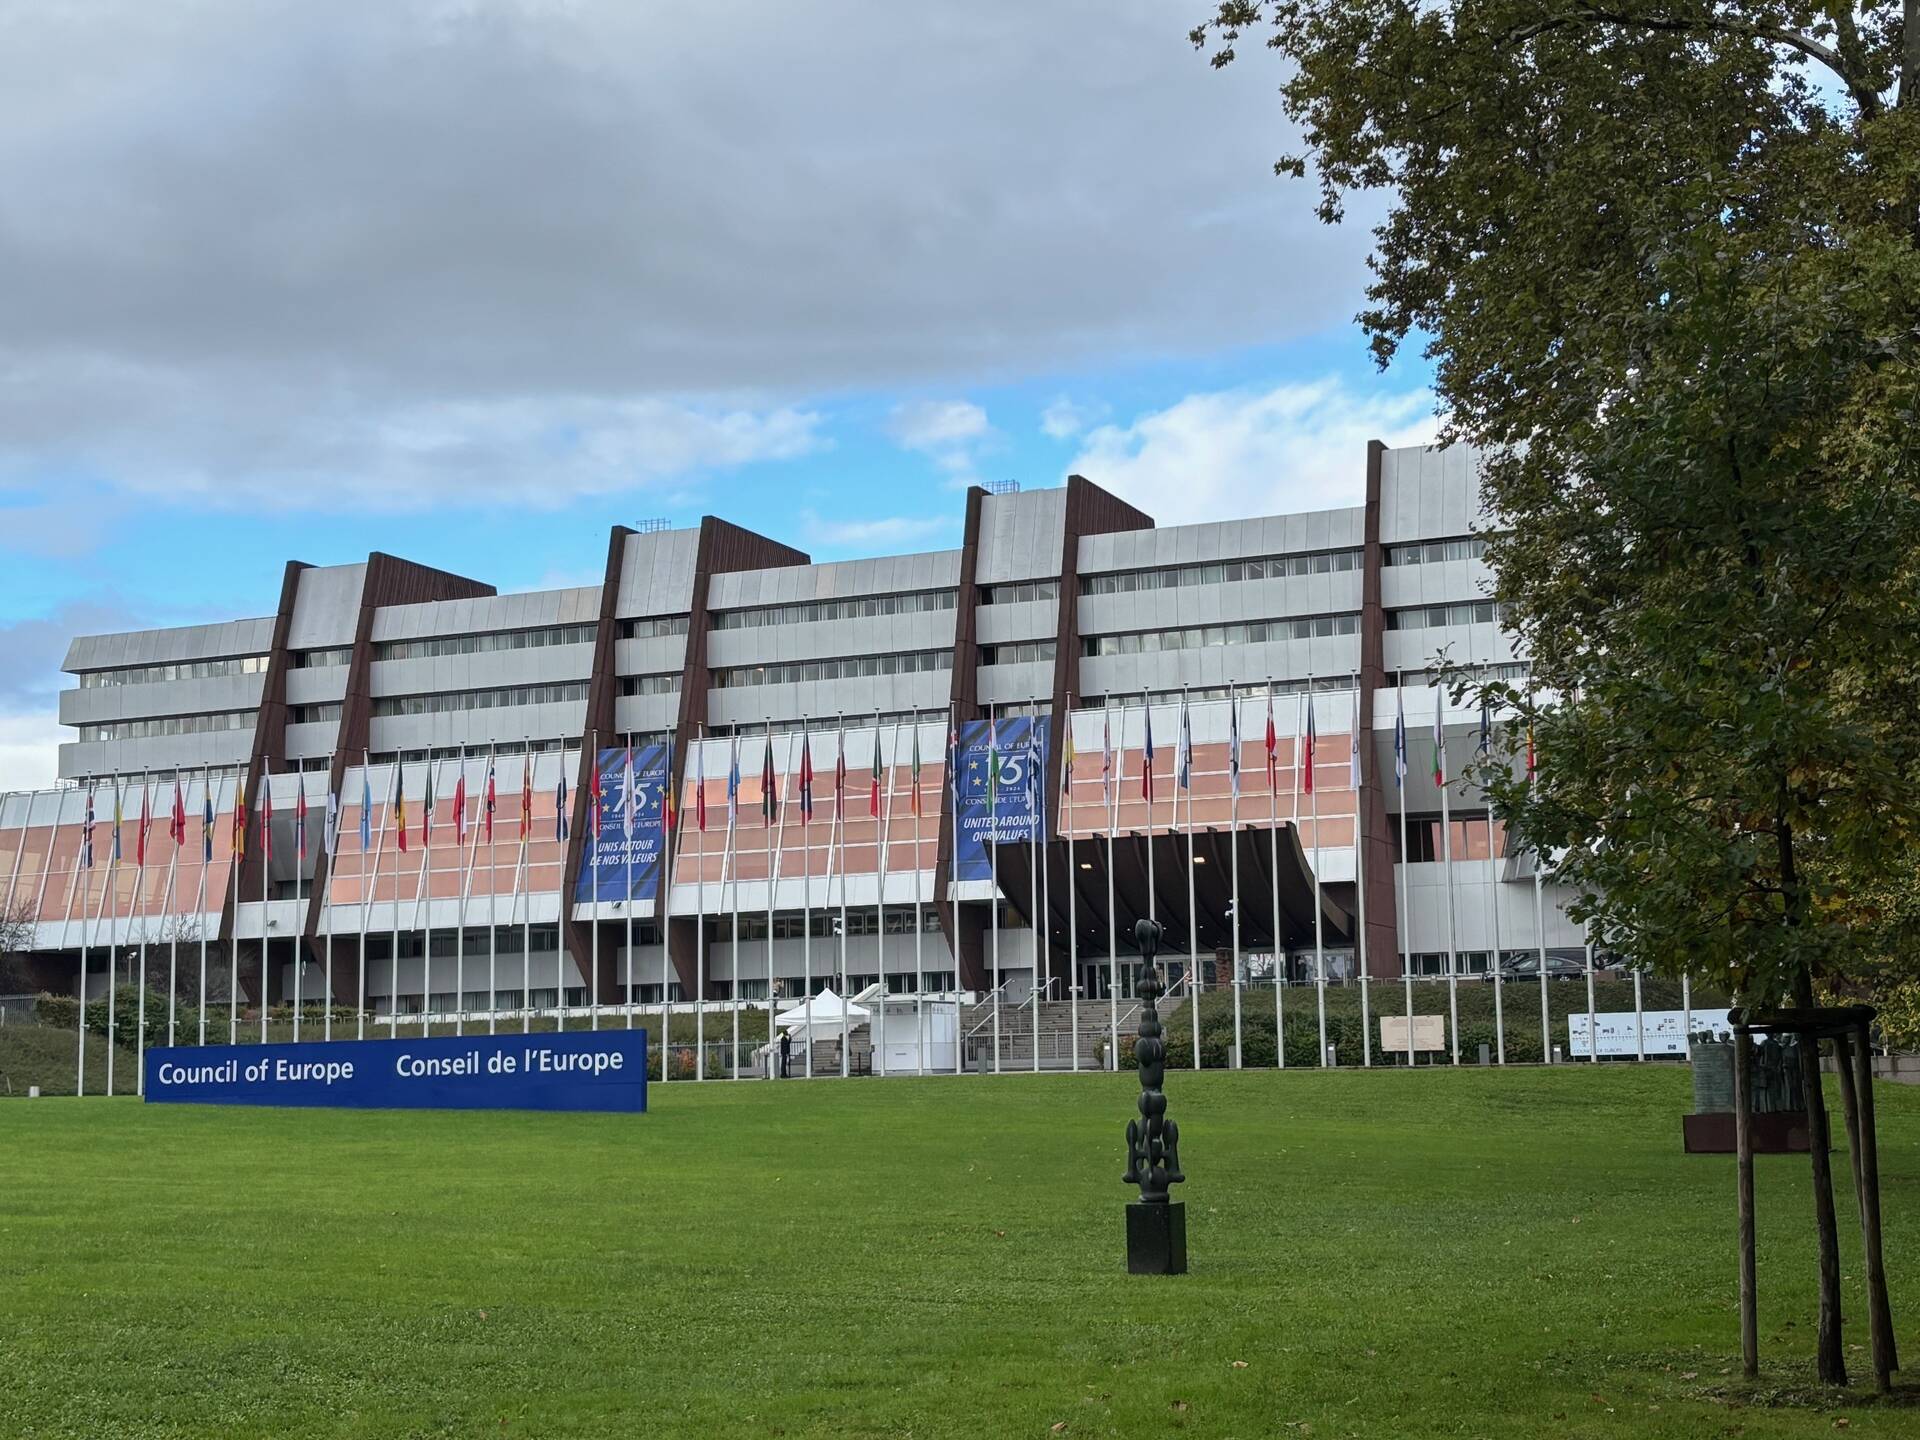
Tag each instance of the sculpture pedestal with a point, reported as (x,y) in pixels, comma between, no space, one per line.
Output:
(1157,1239)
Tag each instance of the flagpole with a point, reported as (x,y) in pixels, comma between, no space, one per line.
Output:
(993,845)
(399,811)
(1118,759)
(879,1042)
(1073,885)
(733,824)
(700,910)
(236,851)
(266,875)
(86,886)
(140,889)
(1406,854)
(178,825)
(672,821)
(522,898)
(566,902)
(299,859)
(368,885)
(1233,832)
(427,806)
(207,811)
(950,774)
(921,1045)
(1493,902)
(1193,904)
(113,951)
(1446,848)
(1319,932)
(1273,841)
(493,895)
(1360,879)
(470,849)
(330,840)
(775,816)
(628,802)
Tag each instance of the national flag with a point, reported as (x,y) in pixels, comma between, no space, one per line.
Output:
(769,796)
(1106,758)
(492,798)
(399,804)
(1533,757)
(669,801)
(916,766)
(873,787)
(266,818)
(1353,749)
(86,832)
(140,835)
(239,815)
(1273,747)
(460,804)
(1033,786)
(116,817)
(700,783)
(1312,747)
(1183,750)
(1233,739)
(1485,746)
(526,794)
(630,796)
(953,758)
(562,821)
(1400,741)
(1146,764)
(177,819)
(1439,740)
(206,816)
(840,775)
(806,779)
(332,836)
(300,817)
(1066,759)
(426,811)
(366,804)
(993,763)
(733,783)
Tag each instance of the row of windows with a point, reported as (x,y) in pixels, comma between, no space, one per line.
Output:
(1256,632)
(322,659)
(1434,617)
(1426,552)
(169,725)
(915,602)
(653,627)
(508,940)
(453,700)
(665,683)
(1322,684)
(312,714)
(824,924)
(1021,590)
(176,670)
(794,672)
(1271,567)
(538,639)
(1023,653)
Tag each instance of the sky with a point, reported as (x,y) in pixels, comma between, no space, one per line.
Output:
(470,282)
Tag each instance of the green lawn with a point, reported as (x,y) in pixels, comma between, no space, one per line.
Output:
(1431,1253)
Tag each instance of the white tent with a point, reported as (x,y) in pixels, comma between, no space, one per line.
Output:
(829,1016)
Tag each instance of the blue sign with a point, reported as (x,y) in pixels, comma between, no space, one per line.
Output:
(617,865)
(1018,808)
(577,1070)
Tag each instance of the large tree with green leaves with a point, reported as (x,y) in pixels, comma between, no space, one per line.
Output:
(1666,259)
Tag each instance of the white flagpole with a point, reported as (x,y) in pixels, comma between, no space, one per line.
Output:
(236,839)
(113,951)
(1279,943)
(266,877)
(397,804)
(1039,920)
(806,906)
(1493,903)
(597,824)
(1400,758)
(1118,758)
(776,851)
(566,901)
(671,843)
(86,885)
(491,802)
(921,1048)
(627,902)
(299,843)
(333,814)
(1319,934)
(469,843)
(1183,765)
(1073,886)
(368,885)
(522,898)
(733,825)
(879,1041)
(166,916)
(140,887)
(427,806)
(950,777)
(700,914)
(208,810)
(993,863)
(1233,840)
(1446,850)
(1358,780)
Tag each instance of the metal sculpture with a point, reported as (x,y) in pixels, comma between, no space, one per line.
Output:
(1156,1224)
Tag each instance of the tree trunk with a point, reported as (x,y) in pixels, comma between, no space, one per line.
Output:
(1830,1354)
(1886,1357)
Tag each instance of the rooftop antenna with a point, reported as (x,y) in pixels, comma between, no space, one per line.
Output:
(653,526)
(1003,487)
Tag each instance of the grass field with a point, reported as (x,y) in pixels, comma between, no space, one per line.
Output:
(1428,1253)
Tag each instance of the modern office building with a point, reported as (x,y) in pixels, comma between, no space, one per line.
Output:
(1065,630)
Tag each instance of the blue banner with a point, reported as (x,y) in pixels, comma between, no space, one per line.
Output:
(577,1070)
(1019,801)
(616,866)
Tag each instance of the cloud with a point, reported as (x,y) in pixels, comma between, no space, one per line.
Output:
(1064,419)
(30,750)
(1227,454)
(31,653)
(937,424)
(421,249)
(889,533)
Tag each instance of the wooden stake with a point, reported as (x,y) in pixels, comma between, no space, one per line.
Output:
(1830,1354)
(1886,1358)
(1743,1168)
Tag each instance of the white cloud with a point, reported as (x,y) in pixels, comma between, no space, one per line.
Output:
(1227,454)
(30,750)
(937,424)
(1064,418)
(891,532)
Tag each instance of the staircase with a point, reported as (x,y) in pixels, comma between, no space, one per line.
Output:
(1056,1033)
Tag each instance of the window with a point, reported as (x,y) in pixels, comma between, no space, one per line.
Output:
(583,634)
(1024,653)
(1426,552)
(1321,683)
(1434,617)
(653,627)
(917,602)
(907,662)
(314,714)
(322,659)
(1224,572)
(1253,632)
(177,670)
(665,683)
(456,700)
(170,725)
(1020,591)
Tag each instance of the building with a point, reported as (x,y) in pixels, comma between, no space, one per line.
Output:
(714,647)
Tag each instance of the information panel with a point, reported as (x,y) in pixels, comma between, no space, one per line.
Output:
(1013,808)
(583,1070)
(1664,1031)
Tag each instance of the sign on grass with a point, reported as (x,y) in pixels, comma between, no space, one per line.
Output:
(1429,1033)
(586,1070)
(1665,1031)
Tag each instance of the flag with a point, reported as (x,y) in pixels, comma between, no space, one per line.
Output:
(1439,740)
(206,816)
(1146,764)
(562,822)
(840,775)
(953,758)
(366,803)
(594,797)
(916,766)
(460,804)
(1400,741)
(1273,747)
(769,799)
(399,803)
(1353,749)
(873,788)
(526,794)
(806,780)
(332,836)
(266,819)
(1033,786)
(1313,745)
(1233,739)
(1106,758)
(669,801)
(491,798)
(86,832)
(1066,760)
(140,835)
(300,818)
(1533,757)
(733,783)
(630,801)
(993,763)
(239,815)
(1485,747)
(700,783)
(177,821)
(426,811)
(116,817)
(1183,750)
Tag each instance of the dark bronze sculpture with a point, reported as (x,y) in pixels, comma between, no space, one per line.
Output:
(1156,1224)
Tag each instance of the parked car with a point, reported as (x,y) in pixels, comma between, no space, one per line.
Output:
(1527,967)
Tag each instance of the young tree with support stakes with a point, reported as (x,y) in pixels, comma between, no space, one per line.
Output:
(1666,260)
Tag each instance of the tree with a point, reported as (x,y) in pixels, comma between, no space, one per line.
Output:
(1664,257)
(16,943)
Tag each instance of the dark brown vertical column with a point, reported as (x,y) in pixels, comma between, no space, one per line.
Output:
(722,547)
(269,747)
(1375,838)
(389,581)
(1089,511)
(962,924)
